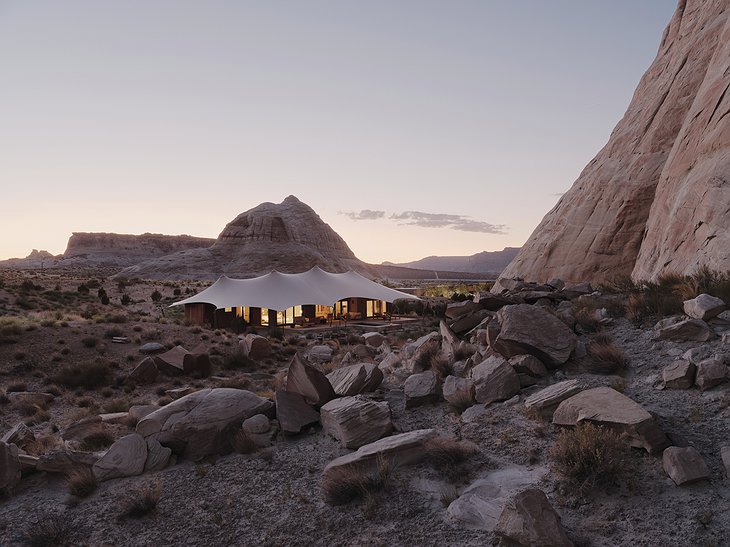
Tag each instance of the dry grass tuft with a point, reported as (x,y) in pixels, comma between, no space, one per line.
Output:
(51,529)
(81,482)
(589,455)
(441,366)
(97,441)
(242,443)
(346,483)
(84,375)
(447,454)
(141,502)
(604,357)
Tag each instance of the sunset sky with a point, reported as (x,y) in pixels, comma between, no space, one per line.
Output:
(413,128)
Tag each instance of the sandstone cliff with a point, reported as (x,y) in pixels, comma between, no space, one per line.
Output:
(289,237)
(656,198)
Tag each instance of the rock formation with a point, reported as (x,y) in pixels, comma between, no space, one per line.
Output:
(289,237)
(656,198)
(485,262)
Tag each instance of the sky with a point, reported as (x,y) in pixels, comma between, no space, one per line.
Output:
(412,127)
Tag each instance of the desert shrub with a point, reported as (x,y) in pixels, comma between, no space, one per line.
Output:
(236,383)
(176,292)
(117,318)
(89,341)
(113,332)
(125,299)
(4,399)
(50,529)
(446,454)
(81,482)
(425,358)
(141,502)
(16,386)
(117,405)
(277,333)
(93,283)
(84,375)
(19,355)
(83,289)
(346,483)
(238,361)
(156,296)
(604,357)
(707,281)
(39,417)
(97,441)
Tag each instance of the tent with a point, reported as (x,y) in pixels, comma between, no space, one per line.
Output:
(279,291)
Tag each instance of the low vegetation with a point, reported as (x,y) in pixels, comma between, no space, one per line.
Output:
(604,357)
(81,482)
(89,375)
(141,502)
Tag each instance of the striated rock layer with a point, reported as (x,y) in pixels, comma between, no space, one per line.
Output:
(656,198)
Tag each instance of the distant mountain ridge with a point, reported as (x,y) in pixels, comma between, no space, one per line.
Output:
(484,262)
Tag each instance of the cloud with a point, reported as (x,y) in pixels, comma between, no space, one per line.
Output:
(365,214)
(440,220)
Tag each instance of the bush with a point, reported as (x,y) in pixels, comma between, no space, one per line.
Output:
(425,358)
(589,455)
(238,361)
(346,483)
(113,333)
(446,454)
(141,502)
(604,357)
(277,333)
(90,341)
(126,300)
(97,441)
(84,375)
(83,289)
(81,482)
(156,296)
(50,529)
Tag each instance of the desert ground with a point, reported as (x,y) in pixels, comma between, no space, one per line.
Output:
(271,487)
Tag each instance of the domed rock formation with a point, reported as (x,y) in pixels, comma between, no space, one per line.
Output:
(656,198)
(289,237)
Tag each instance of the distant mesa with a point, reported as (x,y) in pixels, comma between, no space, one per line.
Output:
(484,262)
(656,198)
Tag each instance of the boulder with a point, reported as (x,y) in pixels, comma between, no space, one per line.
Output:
(349,380)
(373,339)
(547,400)
(256,347)
(684,465)
(158,456)
(30,398)
(422,357)
(390,362)
(422,388)
(535,331)
(454,310)
(449,341)
(704,307)
(725,455)
(490,301)
(171,362)
(689,330)
(466,323)
(309,382)
(20,435)
(528,365)
(321,353)
(474,413)
(373,377)
(137,412)
(679,375)
(256,424)
(86,427)
(10,468)
(529,519)
(125,458)
(606,406)
(356,421)
(63,461)
(150,348)
(494,380)
(397,450)
(410,349)
(197,364)
(459,391)
(710,373)
(144,373)
(198,424)
(293,412)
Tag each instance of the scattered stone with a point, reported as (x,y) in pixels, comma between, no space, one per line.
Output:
(704,307)
(27,462)
(410,350)
(30,398)
(547,400)
(454,310)
(459,391)
(197,425)
(576,290)
(689,330)
(125,458)
(606,406)
(494,380)
(10,468)
(20,435)
(114,417)
(529,519)
(491,302)
(373,339)
(143,374)
(695,355)
(151,348)
(349,380)
(679,375)
(535,331)
(158,456)
(356,421)
(309,382)
(474,413)
(321,353)
(710,373)
(172,361)
(685,465)
(422,388)
(390,362)
(529,365)
(293,412)
(256,424)
(449,341)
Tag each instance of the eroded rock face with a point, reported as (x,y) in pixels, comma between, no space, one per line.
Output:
(656,197)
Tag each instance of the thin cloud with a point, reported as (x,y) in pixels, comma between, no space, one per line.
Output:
(365,214)
(441,220)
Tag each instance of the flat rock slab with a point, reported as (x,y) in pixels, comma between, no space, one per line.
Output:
(482,503)
(529,519)
(689,330)
(474,413)
(704,307)
(63,461)
(356,421)
(125,458)
(710,373)
(293,412)
(685,465)
(679,375)
(547,400)
(535,331)
(606,406)
(421,389)
(172,362)
(198,424)
(20,435)
(309,382)
(494,380)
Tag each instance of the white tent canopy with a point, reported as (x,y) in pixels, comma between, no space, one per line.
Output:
(279,291)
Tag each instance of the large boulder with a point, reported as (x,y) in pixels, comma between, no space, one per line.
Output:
(309,382)
(454,310)
(533,330)
(606,406)
(432,338)
(422,388)
(197,364)
(689,330)
(354,379)
(679,375)
(374,339)
(293,412)
(321,353)
(125,458)
(710,373)
(529,519)
(685,465)
(459,391)
(9,466)
(494,380)
(172,361)
(158,456)
(356,421)
(704,307)
(199,424)
(63,461)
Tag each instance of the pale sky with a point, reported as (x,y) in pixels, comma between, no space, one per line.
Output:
(174,116)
